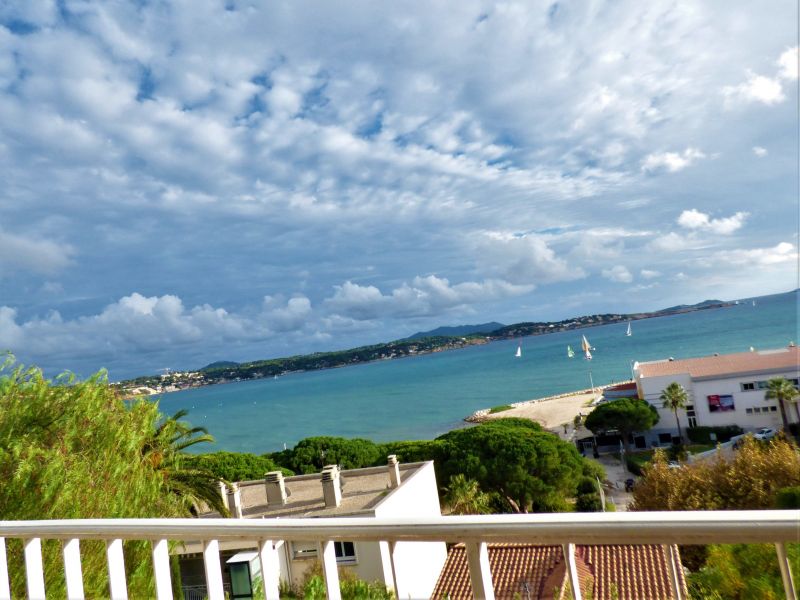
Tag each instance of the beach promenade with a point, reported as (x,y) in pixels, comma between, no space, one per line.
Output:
(550,412)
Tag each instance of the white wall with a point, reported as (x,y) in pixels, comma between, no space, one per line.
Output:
(417,564)
(699,390)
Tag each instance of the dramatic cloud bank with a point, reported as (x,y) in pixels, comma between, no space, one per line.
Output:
(191,182)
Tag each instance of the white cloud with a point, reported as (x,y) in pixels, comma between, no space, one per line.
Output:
(673,242)
(671,161)
(618,273)
(759,151)
(649,274)
(19,253)
(757,88)
(788,64)
(781,253)
(523,259)
(694,219)
(424,296)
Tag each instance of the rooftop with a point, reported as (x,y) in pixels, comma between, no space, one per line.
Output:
(534,571)
(782,359)
(362,491)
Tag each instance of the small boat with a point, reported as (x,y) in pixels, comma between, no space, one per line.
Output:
(754,302)
(570,353)
(629,332)
(586,347)
(519,350)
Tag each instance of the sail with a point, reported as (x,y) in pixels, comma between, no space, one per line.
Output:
(570,353)
(629,332)
(586,347)
(519,351)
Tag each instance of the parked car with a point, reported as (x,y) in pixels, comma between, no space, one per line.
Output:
(765,433)
(674,464)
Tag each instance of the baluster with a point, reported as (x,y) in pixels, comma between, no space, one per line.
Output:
(479,573)
(73,572)
(329,568)
(116,570)
(213,570)
(5,588)
(34,572)
(786,573)
(572,570)
(161,570)
(270,569)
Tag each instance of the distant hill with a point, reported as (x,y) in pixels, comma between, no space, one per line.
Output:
(457,330)
(220,364)
(684,307)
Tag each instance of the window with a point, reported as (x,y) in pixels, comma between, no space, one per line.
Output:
(748,411)
(664,438)
(762,385)
(345,552)
(757,410)
(304,549)
(773,409)
(749,386)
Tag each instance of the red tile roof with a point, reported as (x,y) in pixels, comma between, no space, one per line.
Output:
(623,572)
(784,359)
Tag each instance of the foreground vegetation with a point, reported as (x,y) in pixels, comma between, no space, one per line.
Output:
(71,449)
(761,475)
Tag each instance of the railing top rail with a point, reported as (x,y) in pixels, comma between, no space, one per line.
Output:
(697,527)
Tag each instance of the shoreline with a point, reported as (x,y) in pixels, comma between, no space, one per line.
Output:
(483,414)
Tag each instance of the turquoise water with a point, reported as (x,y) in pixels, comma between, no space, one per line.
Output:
(424,396)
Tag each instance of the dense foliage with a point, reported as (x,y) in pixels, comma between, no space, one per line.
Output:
(72,449)
(702,435)
(311,454)
(235,466)
(760,475)
(626,415)
(674,397)
(530,469)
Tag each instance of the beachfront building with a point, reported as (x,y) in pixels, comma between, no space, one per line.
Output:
(723,389)
(394,491)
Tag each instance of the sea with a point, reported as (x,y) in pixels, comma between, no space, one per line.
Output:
(421,397)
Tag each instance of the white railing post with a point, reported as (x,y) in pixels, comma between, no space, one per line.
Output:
(118,587)
(672,564)
(479,572)
(5,587)
(161,570)
(786,572)
(34,572)
(392,547)
(73,573)
(572,570)
(329,568)
(270,569)
(213,570)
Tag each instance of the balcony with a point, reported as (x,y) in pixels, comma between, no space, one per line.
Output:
(563,529)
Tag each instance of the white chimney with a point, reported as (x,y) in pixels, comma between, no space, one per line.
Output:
(223,491)
(394,471)
(235,501)
(276,488)
(331,486)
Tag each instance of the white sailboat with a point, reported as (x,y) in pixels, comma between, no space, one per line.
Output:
(629,332)
(586,347)
(519,350)
(570,353)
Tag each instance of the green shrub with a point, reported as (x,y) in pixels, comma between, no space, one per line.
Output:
(236,466)
(587,485)
(788,498)
(500,408)
(701,435)
(588,503)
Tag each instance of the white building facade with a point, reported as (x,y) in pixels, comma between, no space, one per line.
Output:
(409,490)
(726,389)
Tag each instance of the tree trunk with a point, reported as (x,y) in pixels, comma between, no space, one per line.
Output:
(678,421)
(783,415)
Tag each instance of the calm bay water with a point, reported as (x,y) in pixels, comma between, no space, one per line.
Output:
(424,396)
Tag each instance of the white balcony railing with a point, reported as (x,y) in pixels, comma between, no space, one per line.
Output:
(564,529)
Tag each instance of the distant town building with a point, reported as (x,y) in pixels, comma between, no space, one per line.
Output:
(723,389)
(407,490)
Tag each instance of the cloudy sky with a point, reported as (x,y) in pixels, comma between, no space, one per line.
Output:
(198,180)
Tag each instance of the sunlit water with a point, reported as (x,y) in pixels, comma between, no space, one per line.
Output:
(424,396)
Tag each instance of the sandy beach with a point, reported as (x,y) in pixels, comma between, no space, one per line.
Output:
(550,412)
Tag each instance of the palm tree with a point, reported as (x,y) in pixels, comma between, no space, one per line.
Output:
(782,390)
(166,452)
(464,497)
(673,398)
